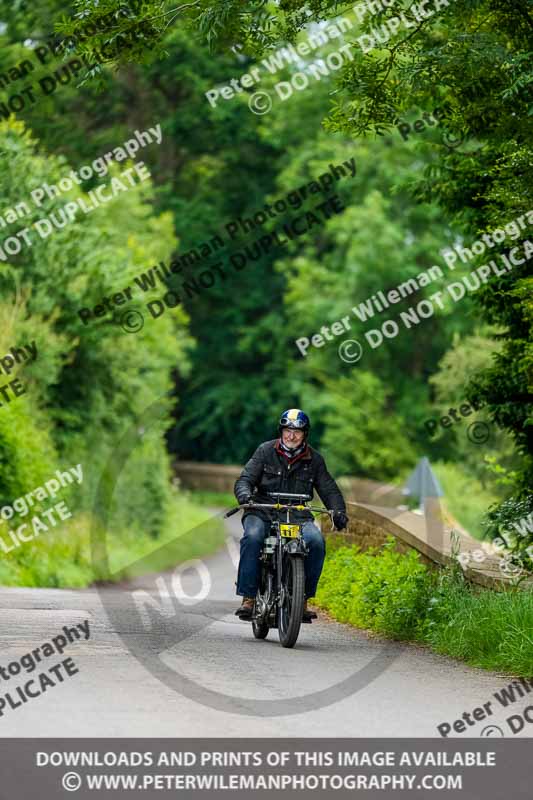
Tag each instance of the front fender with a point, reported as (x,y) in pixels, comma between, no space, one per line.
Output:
(296,547)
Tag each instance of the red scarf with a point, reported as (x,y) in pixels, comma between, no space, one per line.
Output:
(291,459)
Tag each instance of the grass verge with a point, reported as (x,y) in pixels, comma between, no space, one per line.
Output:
(61,558)
(225,500)
(465,497)
(397,595)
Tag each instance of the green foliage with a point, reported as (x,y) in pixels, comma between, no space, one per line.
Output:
(27,451)
(362,438)
(478,55)
(379,242)
(512,521)
(396,595)
(135,28)
(27,454)
(90,383)
(62,557)
(486,629)
(387,592)
(225,500)
(467,357)
(465,495)
(58,559)
(474,59)
(407,202)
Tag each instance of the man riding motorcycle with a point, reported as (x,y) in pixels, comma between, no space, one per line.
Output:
(287,464)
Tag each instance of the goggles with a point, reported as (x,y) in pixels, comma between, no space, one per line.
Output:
(297,427)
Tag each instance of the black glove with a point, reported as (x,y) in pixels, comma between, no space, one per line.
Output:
(340,520)
(244,498)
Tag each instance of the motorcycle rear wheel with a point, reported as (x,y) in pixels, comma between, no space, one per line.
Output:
(290,612)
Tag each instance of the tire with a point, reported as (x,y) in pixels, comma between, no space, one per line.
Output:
(261,627)
(290,614)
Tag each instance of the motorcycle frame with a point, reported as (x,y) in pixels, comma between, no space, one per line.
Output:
(295,547)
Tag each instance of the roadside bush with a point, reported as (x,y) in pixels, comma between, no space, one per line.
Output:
(492,630)
(385,591)
(336,581)
(90,384)
(397,595)
(62,557)
(512,521)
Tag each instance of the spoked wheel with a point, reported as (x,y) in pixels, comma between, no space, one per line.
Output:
(292,602)
(260,625)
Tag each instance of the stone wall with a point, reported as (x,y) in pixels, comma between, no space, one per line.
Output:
(431,536)
(207,477)
(221,478)
(368,530)
(362,490)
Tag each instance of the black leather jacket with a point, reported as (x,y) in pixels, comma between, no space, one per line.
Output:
(269,471)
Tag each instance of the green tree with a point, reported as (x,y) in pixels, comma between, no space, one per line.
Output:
(470,59)
(91,381)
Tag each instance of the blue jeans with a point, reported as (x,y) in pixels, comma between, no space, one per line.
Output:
(255,530)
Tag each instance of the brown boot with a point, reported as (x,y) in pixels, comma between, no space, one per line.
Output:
(308,615)
(245,610)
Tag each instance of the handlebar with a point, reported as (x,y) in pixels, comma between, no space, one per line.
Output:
(232,512)
(280,507)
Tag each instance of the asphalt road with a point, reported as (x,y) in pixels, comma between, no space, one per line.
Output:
(194,669)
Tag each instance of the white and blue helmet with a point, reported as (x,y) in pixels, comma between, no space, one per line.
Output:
(296,419)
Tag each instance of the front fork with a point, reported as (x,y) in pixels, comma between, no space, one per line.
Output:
(268,597)
(295,548)
(274,594)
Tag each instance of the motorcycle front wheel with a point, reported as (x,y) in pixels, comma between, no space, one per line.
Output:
(291,609)
(260,629)
(260,625)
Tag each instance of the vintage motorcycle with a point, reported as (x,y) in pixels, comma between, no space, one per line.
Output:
(280,598)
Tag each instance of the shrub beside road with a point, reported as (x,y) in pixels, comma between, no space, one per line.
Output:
(63,559)
(398,596)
